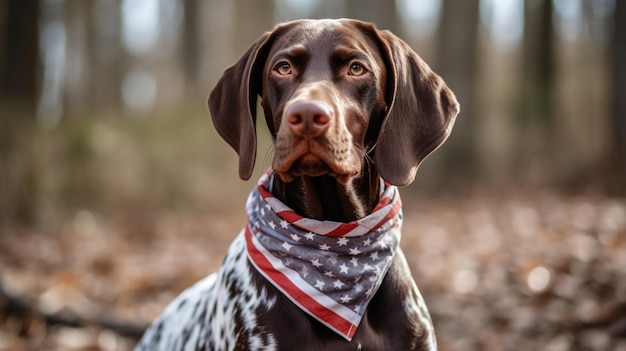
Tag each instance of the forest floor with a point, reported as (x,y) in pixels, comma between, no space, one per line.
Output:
(518,272)
(104,221)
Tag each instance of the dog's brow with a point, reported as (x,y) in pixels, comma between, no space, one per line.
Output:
(292,52)
(344,53)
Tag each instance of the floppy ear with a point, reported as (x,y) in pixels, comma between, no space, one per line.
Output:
(233,101)
(421,112)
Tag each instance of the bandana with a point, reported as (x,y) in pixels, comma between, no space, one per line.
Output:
(330,270)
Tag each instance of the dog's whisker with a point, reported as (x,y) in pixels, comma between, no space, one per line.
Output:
(269,152)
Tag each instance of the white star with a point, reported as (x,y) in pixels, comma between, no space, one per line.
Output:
(358,288)
(262,212)
(284,224)
(354,261)
(367,267)
(354,251)
(329,274)
(338,284)
(271,224)
(374,255)
(287,246)
(309,236)
(268,207)
(367,242)
(295,237)
(342,241)
(345,299)
(319,284)
(324,247)
(344,268)
(383,244)
(316,263)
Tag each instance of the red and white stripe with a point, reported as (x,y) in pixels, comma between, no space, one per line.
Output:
(337,317)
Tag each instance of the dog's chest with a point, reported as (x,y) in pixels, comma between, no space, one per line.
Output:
(219,312)
(236,309)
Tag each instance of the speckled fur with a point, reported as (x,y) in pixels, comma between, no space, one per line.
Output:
(217,313)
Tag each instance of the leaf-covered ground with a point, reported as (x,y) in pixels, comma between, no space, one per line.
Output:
(518,271)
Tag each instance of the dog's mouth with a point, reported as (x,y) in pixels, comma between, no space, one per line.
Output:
(311,165)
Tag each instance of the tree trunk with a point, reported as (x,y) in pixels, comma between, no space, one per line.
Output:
(77,91)
(537,65)
(252,18)
(190,44)
(19,73)
(457,64)
(95,64)
(381,12)
(107,55)
(619,85)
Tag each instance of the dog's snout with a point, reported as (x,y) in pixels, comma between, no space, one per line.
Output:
(308,118)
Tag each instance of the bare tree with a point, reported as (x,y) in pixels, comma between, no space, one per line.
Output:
(457,58)
(107,57)
(252,17)
(95,59)
(619,84)
(19,50)
(77,94)
(537,65)
(381,12)
(191,43)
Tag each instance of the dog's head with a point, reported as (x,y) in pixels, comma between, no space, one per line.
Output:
(336,94)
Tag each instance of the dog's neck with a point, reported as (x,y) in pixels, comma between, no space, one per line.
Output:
(324,198)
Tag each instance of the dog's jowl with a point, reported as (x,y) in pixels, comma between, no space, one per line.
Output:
(353,111)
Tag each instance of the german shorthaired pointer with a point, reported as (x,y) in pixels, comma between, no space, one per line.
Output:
(353,111)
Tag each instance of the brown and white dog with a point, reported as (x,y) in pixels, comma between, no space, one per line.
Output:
(353,111)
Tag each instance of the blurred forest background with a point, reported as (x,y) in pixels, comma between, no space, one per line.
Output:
(116,193)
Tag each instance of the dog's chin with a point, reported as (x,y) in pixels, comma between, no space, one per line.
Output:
(312,166)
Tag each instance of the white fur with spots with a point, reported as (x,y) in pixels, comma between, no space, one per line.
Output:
(216,313)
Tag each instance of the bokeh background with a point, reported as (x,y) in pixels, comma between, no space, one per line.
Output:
(116,193)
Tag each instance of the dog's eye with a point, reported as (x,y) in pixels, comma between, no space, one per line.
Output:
(283,68)
(357,69)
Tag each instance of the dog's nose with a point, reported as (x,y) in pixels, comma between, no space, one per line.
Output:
(308,118)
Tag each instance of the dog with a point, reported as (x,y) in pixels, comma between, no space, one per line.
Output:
(353,111)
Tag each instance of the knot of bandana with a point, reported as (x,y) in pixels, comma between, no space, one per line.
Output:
(330,270)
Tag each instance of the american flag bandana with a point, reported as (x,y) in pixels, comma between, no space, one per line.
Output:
(331,270)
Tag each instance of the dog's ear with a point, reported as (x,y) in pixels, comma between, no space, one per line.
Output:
(233,102)
(421,111)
